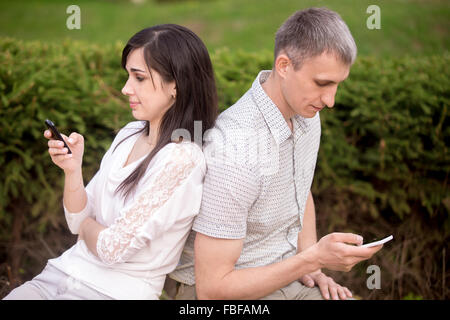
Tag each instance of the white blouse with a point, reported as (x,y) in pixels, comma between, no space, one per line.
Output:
(145,234)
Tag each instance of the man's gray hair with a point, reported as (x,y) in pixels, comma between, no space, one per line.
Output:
(310,32)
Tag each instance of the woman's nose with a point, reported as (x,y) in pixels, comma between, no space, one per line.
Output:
(127,90)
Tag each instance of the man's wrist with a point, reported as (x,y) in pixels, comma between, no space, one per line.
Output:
(312,258)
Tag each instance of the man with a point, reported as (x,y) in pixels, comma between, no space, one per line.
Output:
(255,235)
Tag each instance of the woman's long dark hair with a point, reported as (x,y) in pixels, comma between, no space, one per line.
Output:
(179,55)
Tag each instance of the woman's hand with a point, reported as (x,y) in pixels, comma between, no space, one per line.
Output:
(59,154)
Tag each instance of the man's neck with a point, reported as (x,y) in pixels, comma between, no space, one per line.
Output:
(272,88)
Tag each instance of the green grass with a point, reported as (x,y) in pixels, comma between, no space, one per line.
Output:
(414,27)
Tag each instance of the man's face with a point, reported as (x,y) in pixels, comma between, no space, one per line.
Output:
(313,86)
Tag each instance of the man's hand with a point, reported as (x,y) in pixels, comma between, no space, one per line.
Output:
(341,251)
(326,285)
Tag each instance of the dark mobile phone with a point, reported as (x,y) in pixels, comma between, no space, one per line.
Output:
(55,133)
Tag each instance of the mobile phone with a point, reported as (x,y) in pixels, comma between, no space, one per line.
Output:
(377,242)
(55,133)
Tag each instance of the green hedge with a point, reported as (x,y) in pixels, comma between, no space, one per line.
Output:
(384,145)
(78,88)
(387,138)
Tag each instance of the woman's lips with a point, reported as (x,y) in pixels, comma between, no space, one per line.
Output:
(133,104)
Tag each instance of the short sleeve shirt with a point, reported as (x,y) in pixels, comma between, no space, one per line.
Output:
(259,174)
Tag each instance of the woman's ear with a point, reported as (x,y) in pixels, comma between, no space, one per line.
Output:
(282,65)
(173,90)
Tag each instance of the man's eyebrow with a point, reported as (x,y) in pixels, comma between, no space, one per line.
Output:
(325,80)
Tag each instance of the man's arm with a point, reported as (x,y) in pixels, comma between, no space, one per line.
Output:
(216,277)
(307,238)
(308,235)
(252,283)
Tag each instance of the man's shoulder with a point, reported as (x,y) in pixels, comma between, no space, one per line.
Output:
(244,114)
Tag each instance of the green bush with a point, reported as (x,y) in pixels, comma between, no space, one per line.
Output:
(387,137)
(384,146)
(78,88)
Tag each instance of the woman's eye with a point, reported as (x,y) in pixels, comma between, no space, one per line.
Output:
(140,79)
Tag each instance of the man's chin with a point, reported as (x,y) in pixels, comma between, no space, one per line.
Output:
(310,114)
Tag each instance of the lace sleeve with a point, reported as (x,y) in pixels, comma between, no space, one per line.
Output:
(122,239)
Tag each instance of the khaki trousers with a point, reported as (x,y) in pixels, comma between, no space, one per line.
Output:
(294,291)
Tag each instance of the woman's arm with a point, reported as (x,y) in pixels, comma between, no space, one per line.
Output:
(74,193)
(166,199)
(89,231)
(75,197)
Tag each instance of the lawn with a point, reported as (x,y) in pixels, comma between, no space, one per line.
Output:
(414,27)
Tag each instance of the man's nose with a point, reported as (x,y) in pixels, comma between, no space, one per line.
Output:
(328,98)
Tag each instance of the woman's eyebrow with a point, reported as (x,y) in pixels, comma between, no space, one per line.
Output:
(136,70)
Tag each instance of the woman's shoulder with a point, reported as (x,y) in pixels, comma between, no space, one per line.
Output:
(131,127)
(183,153)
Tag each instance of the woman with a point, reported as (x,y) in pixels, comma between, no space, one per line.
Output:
(136,213)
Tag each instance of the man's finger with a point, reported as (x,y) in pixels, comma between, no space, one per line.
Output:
(348,238)
(341,293)
(334,293)
(307,280)
(348,292)
(324,290)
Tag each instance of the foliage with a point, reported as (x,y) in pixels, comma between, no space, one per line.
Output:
(75,86)
(384,147)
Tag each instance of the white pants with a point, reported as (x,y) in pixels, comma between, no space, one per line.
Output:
(53,284)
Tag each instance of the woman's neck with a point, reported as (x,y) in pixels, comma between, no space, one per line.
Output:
(153,132)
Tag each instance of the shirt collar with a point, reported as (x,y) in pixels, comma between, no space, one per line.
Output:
(272,115)
(302,125)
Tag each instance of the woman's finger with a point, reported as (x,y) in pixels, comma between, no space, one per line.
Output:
(55,143)
(73,138)
(57,151)
(47,134)
(61,157)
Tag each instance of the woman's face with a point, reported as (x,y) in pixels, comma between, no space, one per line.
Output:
(148,100)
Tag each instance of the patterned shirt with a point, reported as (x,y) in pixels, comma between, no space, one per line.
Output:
(259,174)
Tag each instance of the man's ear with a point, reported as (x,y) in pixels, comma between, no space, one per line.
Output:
(282,65)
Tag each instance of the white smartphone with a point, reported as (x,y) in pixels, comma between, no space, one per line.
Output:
(378,242)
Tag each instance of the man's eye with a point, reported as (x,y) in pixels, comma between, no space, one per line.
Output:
(321,84)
